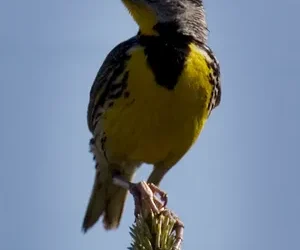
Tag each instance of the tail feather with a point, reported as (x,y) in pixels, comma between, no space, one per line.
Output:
(106,200)
(96,204)
(114,207)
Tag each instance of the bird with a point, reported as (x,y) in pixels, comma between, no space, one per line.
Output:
(150,100)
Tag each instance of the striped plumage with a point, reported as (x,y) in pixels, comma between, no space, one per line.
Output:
(149,102)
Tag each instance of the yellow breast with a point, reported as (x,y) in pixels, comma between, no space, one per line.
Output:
(154,122)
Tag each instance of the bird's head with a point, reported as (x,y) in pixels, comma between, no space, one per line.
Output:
(186,17)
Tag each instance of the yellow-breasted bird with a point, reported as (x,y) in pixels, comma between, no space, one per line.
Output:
(150,100)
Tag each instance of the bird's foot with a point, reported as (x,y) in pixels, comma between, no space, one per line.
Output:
(145,196)
(178,228)
(146,200)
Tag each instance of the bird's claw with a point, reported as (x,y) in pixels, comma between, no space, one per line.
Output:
(178,228)
(145,200)
(145,195)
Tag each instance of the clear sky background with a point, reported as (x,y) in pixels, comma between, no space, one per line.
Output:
(237,189)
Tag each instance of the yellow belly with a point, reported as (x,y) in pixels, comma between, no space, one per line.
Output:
(154,122)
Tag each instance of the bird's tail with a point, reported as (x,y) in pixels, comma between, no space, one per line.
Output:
(106,200)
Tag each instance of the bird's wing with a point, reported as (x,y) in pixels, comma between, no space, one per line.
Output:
(214,78)
(112,67)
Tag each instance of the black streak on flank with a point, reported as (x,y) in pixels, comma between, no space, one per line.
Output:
(166,54)
(211,80)
(116,73)
(103,141)
(120,88)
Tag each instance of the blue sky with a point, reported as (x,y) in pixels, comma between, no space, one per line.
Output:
(238,188)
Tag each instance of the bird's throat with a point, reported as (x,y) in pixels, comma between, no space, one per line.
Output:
(143,16)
